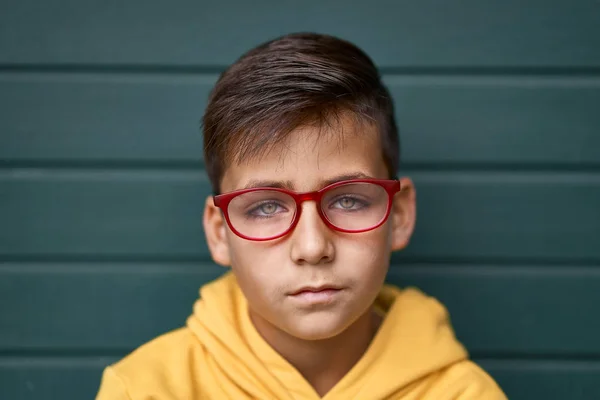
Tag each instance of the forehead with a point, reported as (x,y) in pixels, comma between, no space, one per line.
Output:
(312,155)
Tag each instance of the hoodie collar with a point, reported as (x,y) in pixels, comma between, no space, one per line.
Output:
(414,340)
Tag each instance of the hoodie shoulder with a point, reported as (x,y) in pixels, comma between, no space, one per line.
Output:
(157,369)
(159,351)
(464,381)
(418,339)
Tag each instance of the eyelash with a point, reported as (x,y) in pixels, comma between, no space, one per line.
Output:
(362,203)
(250,213)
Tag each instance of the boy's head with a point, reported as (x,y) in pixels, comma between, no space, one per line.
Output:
(296,80)
(295,115)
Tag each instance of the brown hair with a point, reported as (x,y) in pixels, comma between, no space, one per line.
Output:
(289,82)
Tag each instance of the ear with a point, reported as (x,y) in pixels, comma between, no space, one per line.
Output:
(214,229)
(403,215)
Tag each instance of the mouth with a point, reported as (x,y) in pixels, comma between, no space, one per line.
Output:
(315,289)
(316,294)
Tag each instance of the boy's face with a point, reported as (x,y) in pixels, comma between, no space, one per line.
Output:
(269,273)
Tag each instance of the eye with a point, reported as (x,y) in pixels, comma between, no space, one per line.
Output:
(346,202)
(266,209)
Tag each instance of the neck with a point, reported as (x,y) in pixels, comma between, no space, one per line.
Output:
(323,363)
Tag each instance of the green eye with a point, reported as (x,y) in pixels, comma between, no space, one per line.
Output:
(268,208)
(347,202)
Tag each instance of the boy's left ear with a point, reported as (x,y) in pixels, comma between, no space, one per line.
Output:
(403,215)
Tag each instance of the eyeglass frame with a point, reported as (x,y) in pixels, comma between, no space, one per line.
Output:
(391,186)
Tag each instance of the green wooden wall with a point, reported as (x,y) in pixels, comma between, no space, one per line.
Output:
(102,182)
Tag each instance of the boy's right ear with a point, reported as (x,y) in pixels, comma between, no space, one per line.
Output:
(214,229)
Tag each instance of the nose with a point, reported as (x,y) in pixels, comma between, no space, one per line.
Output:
(311,239)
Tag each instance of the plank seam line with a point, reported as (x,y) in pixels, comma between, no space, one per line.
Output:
(416,70)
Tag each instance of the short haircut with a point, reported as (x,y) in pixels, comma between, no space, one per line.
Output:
(289,82)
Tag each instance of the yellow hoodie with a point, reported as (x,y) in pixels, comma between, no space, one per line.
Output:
(219,355)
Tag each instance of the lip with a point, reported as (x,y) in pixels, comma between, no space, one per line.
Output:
(316,295)
(315,289)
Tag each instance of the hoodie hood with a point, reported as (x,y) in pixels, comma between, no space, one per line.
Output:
(414,341)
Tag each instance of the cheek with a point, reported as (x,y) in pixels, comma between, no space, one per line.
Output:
(366,258)
(258,268)
(255,258)
(372,248)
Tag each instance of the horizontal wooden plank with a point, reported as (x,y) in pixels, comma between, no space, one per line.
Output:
(92,314)
(120,308)
(155,118)
(505,215)
(515,309)
(116,307)
(54,117)
(145,214)
(546,379)
(424,33)
(103,213)
(79,377)
(51,378)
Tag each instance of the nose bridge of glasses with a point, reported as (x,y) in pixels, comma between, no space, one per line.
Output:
(307,196)
(311,197)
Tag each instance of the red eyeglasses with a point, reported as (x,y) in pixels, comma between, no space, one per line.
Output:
(351,206)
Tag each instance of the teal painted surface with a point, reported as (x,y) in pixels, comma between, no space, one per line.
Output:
(426,33)
(70,212)
(114,306)
(102,182)
(155,118)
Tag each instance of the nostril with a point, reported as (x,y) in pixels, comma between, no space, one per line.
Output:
(308,260)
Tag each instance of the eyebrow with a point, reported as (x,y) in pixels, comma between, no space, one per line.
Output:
(344,177)
(290,185)
(268,183)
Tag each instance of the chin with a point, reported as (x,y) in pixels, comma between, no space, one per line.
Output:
(317,327)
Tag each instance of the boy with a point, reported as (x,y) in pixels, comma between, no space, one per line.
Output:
(301,148)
